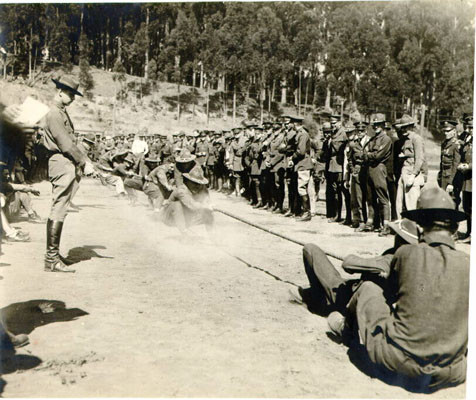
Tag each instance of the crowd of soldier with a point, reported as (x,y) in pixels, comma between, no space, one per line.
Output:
(370,172)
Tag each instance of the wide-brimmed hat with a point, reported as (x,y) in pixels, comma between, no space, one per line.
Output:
(434,204)
(152,160)
(377,121)
(327,127)
(406,120)
(68,83)
(90,138)
(184,156)
(120,154)
(335,117)
(196,175)
(129,158)
(406,229)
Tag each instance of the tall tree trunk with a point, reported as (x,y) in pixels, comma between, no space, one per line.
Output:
(208,104)
(30,54)
(201,75)
(178,100)
(284,91)
(328,97)
(269,102)
(146,71)
(273,90)
(234,102)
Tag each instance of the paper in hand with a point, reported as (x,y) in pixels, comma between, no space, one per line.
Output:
(30,112)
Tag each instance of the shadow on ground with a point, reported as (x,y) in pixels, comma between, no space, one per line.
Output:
(26,316)
(84,253)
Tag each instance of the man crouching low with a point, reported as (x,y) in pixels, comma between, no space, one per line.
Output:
(414,327)
(189,203)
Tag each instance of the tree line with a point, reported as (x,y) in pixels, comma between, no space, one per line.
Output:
(389,57)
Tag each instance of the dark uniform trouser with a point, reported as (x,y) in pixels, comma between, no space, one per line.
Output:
(379,191)
(256,196)
(333,194)
(457,188)
(62,175)
(369,307)
(327,286)
(279,192)
(358,196)
(467,207)
(293,196)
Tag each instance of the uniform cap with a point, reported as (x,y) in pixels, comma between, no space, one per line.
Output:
(448,125)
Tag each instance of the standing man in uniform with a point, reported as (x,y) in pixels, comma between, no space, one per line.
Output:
(65,166)
(377,153)
(466,168)
(412,159)
(449,158)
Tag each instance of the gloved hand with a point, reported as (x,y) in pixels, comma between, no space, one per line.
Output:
(449,189)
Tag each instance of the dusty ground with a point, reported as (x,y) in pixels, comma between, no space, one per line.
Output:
(149,313)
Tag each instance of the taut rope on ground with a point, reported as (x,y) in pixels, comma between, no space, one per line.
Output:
(282,236)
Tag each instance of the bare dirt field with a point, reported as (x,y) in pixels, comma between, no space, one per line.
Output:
(152,314)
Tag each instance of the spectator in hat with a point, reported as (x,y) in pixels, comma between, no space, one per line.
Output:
(376,154)
(412,160)
(417,330)
(449,157)
(65,167)
(334,148)
(466,169)
(189,204)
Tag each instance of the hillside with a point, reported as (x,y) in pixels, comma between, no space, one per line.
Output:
(156,111)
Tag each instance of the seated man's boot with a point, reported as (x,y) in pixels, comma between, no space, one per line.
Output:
(53,261)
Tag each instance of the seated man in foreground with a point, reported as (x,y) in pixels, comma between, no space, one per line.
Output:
(415,327)
(189,203)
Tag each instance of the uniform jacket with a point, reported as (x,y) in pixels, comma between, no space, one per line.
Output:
(256,158)
(201,151)
(412,153)
(237,149)
(59,135)
(379,149)
(429,283)
(334,149)
(302,155)
(467,157)
(449,160)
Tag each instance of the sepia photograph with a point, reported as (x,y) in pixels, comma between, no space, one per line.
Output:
(236,199)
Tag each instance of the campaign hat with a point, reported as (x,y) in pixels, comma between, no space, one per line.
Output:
(196,175)
(406,229)
(184,156)
(67,82)
(90,138)
(404,121)
(434,204)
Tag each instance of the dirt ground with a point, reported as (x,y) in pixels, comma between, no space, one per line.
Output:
(152,314)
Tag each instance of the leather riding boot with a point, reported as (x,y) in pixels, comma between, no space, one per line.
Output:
(306,207)
(53,262)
